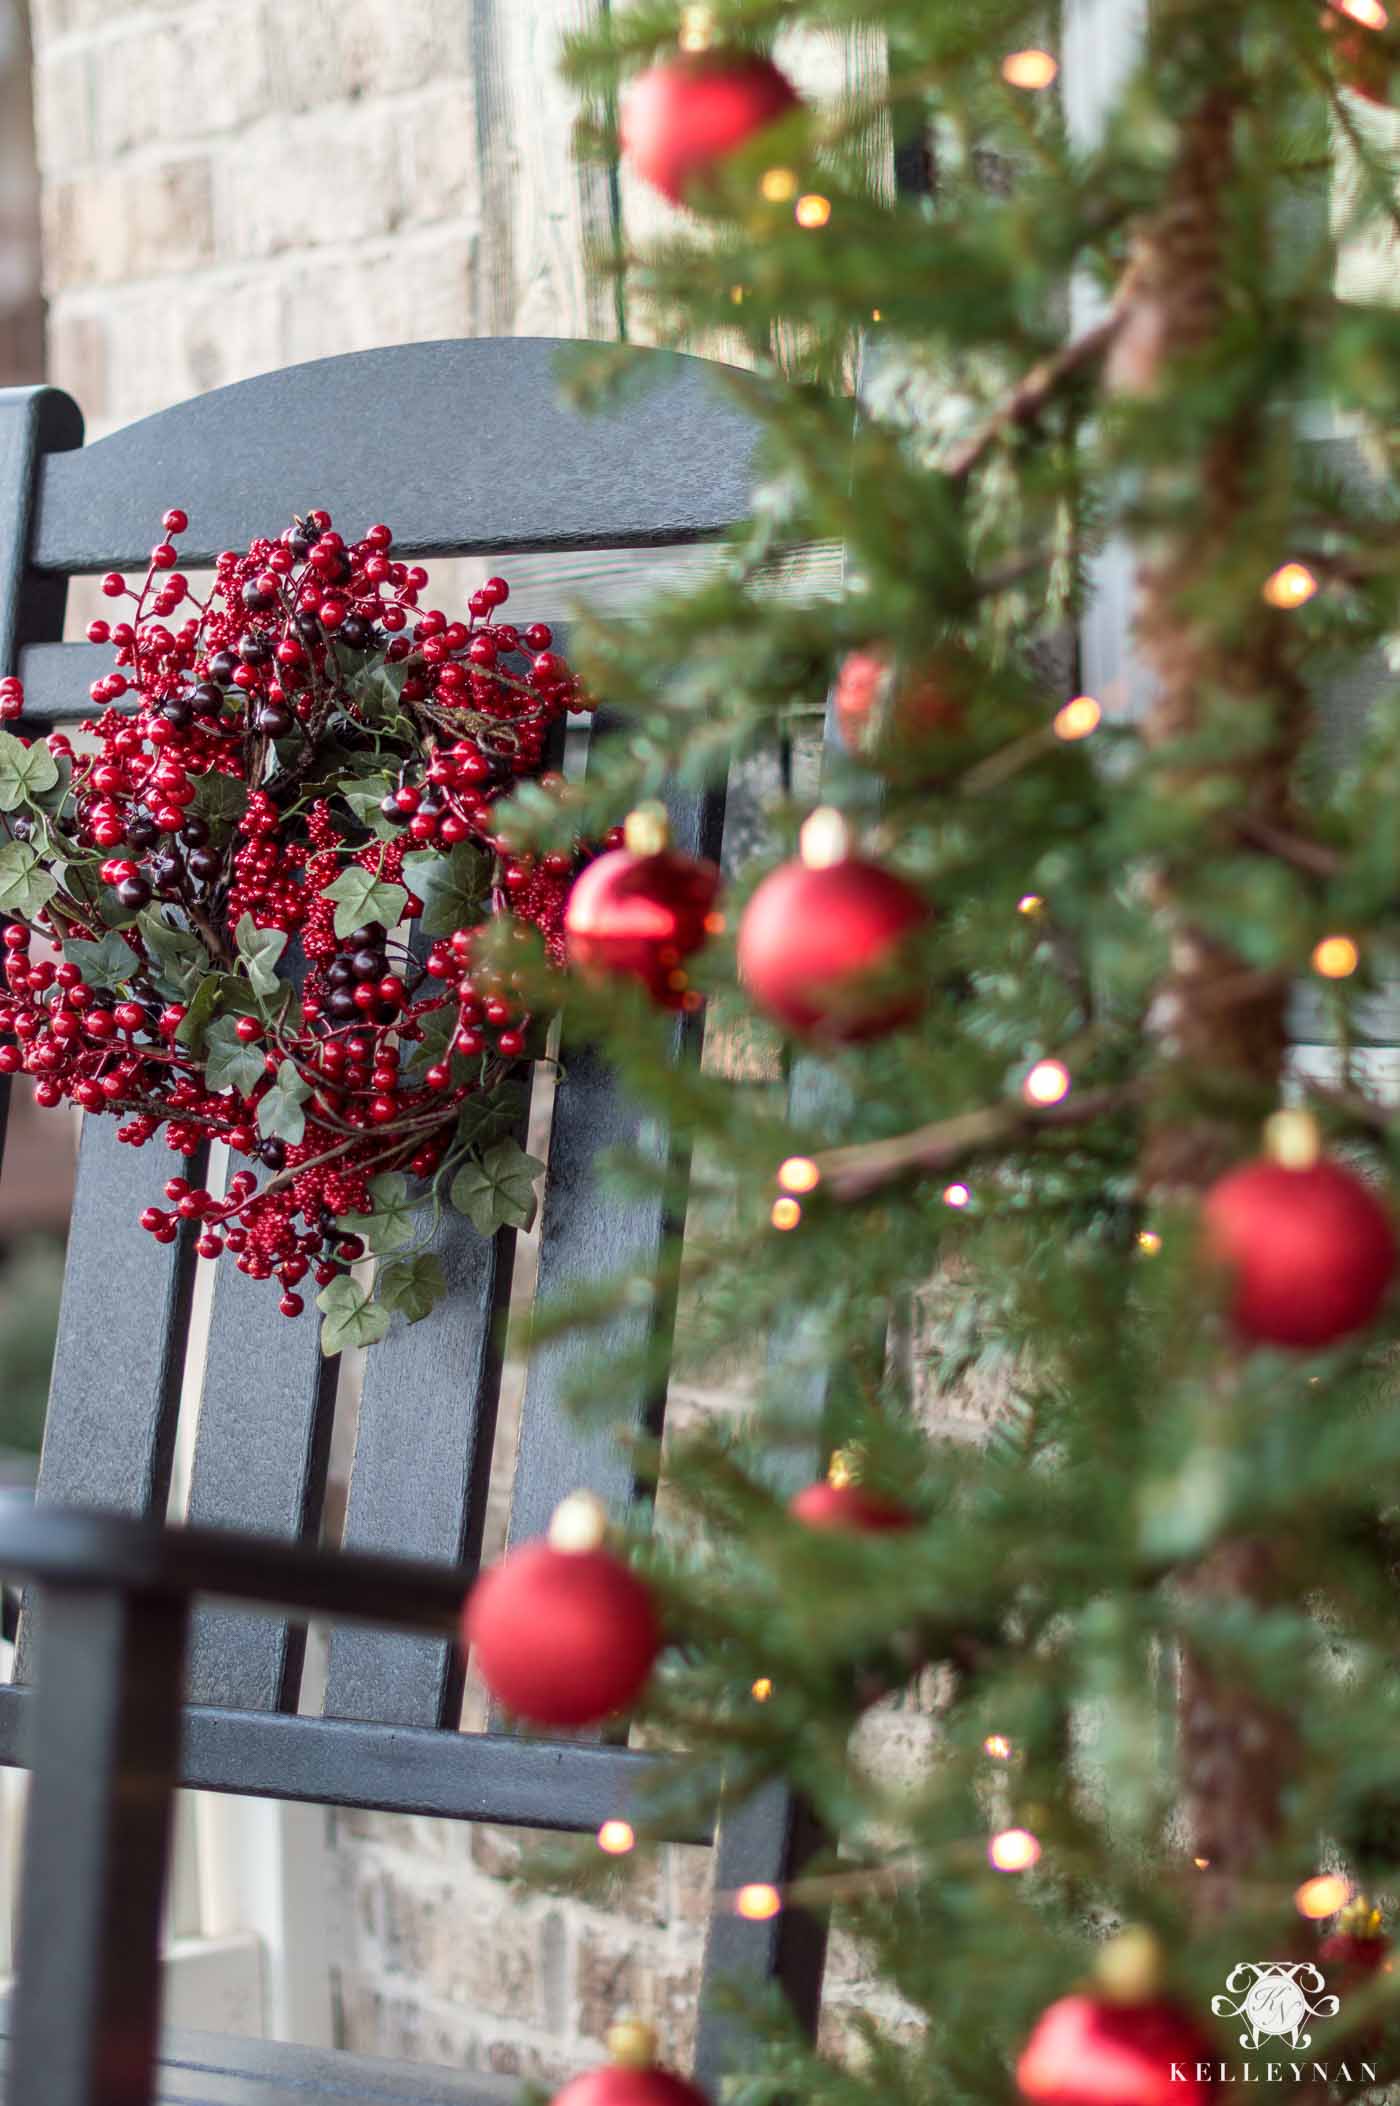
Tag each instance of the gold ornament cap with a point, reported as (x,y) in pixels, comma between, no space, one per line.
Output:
(579,1523)
(847,1467)
(647,830)
(825,839)
(630,2043)
(1293,1140)
(1129,1969)
(1361,1919)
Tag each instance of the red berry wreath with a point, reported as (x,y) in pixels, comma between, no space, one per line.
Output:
(206,892)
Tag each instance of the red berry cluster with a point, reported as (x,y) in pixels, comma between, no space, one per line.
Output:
(271,787)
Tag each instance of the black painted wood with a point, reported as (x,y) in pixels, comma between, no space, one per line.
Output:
(261,1450)
(422,1465)
(586,1236)
(105,1733)
(213,2069)
(416,432)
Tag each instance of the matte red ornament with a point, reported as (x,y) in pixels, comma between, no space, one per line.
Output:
(893,717)
(682,117)
(562,1637)
(822,942)
(1089,2051)
(613,2085)
(640,911)
(849,1508)
(1312,1251)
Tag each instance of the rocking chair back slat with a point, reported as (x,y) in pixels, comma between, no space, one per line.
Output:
(260,1455)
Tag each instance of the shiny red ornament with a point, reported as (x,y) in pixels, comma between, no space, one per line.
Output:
(823,942)
(562,1637)
(1356,1947)
(682,117)
(615,2085)
(640,911)
(1312,1251)
(1089,2051)
(893,717)
(850,1509)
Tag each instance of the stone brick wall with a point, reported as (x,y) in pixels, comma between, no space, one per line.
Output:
(21,307)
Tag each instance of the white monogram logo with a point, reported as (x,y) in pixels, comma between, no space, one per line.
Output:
(1276,1999)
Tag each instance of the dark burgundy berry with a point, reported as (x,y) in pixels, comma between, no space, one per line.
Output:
(340,972)
(22,828)
(207,695)
(274,1153)
(308,627)
(389,806)
(342,1005)
(134,893)
(371,937)
(275,721)
(205,864)
(367,964)
(177,711)
(254,598)
(194,833)
(356,632)
(222,667)
(255,650)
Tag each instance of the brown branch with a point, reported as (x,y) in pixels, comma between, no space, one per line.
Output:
(1033,393)
(1314,857)
(855,1172)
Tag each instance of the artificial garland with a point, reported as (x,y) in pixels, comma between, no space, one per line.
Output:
(205,894)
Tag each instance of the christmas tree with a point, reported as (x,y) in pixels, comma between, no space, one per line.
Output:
(1000,1088)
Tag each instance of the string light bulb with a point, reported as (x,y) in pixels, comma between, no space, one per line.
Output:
(798,1174)
(1077,719)
(762,1689)
(1369,13)
(778,185)
(579,1523)
(956,1196)
(1291,585)
(998,1747)
(1031,905)
(697,28)
(1014,1850)
(617,1838)
(1336,958)
(1047,1083)
(813,210)
(786,1214)
(1030,69)
(757,1903)
(1149,1242)
(1322,1896)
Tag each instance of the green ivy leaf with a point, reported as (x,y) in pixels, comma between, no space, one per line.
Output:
(360,897)
(219,800)
(25,886)
(351,1318)
(180,959)
(412,1286)
(280,1113)
(103,964)
(390,1226)
(260,950)
(51,799)
(25,771)
(454,888)
(376,686)
(497,1188)
(204,1006)
(491,1115)
(228,1063)
(364,799)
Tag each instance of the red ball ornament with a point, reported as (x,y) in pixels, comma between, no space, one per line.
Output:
(564,1633)
(1367,52)
(1092,2051)
(838,1501)
(1356,1947)
(822,942)
(681,118)
(892,717)
(1311,1247)
(640,911)
(631,2078)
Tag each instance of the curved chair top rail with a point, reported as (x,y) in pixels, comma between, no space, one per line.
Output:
(465,447)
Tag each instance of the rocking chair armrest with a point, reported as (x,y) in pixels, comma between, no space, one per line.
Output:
(114,1553)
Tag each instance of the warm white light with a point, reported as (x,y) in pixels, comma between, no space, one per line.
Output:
(758,1902)
(956,1196)
(1029,69)
(799,1174)
(1336,958)
(1030,903)
(778,185)
(579,1523)
(1322,1896)
(1369,13)
(998,1747)
(786,1214)
(1078,718)
(762,1689)
(812,210)
(697,28)
(1014,1850)
(1149,1242)
(1292,585)
(617,1838)
(1047,1083)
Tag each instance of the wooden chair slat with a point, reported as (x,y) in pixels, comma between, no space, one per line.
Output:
(261,1449)
(587,1235)
(675,467)
(419,1479)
